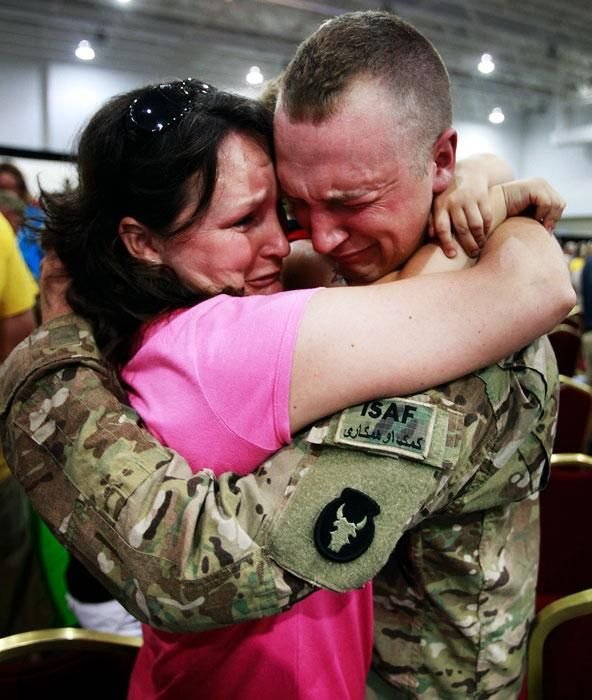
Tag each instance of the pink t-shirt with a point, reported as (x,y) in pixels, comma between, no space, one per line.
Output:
(213,383)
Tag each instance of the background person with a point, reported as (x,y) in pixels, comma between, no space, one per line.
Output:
(25,603)
(12,179)
(18,293)
(13,209)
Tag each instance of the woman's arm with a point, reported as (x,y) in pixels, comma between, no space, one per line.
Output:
(402,337)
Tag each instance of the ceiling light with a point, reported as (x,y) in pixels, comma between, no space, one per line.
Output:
(123,2)
(486,64)
(496,116)
(254,76)
(585,90)
(85,51)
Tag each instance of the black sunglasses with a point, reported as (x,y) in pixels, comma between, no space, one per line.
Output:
(162,105)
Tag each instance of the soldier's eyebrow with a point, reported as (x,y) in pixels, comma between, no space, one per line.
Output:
(339,196)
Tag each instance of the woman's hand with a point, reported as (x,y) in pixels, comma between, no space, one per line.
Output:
(473,212)
(534,197)
(462,210)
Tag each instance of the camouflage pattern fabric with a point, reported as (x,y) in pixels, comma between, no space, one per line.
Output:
(456,469)
(454,603)
(182,551)
(175,547)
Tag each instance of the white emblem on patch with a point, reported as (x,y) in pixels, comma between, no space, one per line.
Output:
(340,536)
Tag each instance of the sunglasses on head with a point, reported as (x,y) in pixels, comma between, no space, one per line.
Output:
(162,105)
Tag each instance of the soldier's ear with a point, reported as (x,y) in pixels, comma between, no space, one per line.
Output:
(444,160)
(140,242)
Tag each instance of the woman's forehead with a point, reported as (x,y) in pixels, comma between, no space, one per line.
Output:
(243,163)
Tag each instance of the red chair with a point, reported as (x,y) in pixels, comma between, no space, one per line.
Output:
(559,650)
(565,569)
(566,341)
(574,419)
(67,663)
(565,564)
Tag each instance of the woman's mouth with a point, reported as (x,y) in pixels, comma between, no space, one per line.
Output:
(265,281)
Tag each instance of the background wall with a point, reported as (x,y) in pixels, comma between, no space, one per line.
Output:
(45,106)
(567,167)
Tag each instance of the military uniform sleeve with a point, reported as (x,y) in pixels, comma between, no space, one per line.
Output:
(177,548)
(182,551)
(474,444)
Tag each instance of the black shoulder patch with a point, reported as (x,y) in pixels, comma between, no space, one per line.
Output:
(345,527)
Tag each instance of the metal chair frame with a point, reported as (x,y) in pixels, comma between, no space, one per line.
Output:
(18,645)
(546,620)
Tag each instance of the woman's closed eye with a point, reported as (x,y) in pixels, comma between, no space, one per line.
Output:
(245,222)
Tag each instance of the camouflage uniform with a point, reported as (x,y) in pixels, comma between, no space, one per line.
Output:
(454,603)
(456,469)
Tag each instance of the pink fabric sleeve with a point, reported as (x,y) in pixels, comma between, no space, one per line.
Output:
(244,363)
(213,381)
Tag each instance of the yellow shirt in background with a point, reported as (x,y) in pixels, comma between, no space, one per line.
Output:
(18,288)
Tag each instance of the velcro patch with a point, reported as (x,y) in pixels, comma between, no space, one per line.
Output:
(63,335)
(398,426)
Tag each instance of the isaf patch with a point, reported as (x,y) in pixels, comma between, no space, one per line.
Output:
(398,426)
(345,527)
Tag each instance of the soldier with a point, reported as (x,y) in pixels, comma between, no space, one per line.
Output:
(453,605)
(418,446)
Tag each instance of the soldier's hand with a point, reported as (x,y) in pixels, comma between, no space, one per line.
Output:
(54,285)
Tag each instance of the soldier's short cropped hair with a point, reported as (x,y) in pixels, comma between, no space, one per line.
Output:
(376,46)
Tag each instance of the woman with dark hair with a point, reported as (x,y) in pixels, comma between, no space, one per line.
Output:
(174,244)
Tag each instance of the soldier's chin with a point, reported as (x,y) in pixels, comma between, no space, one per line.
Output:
(359,275)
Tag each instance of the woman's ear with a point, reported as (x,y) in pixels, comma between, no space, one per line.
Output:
(140,242)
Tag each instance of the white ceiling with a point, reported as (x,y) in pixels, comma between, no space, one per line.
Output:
(542,49)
